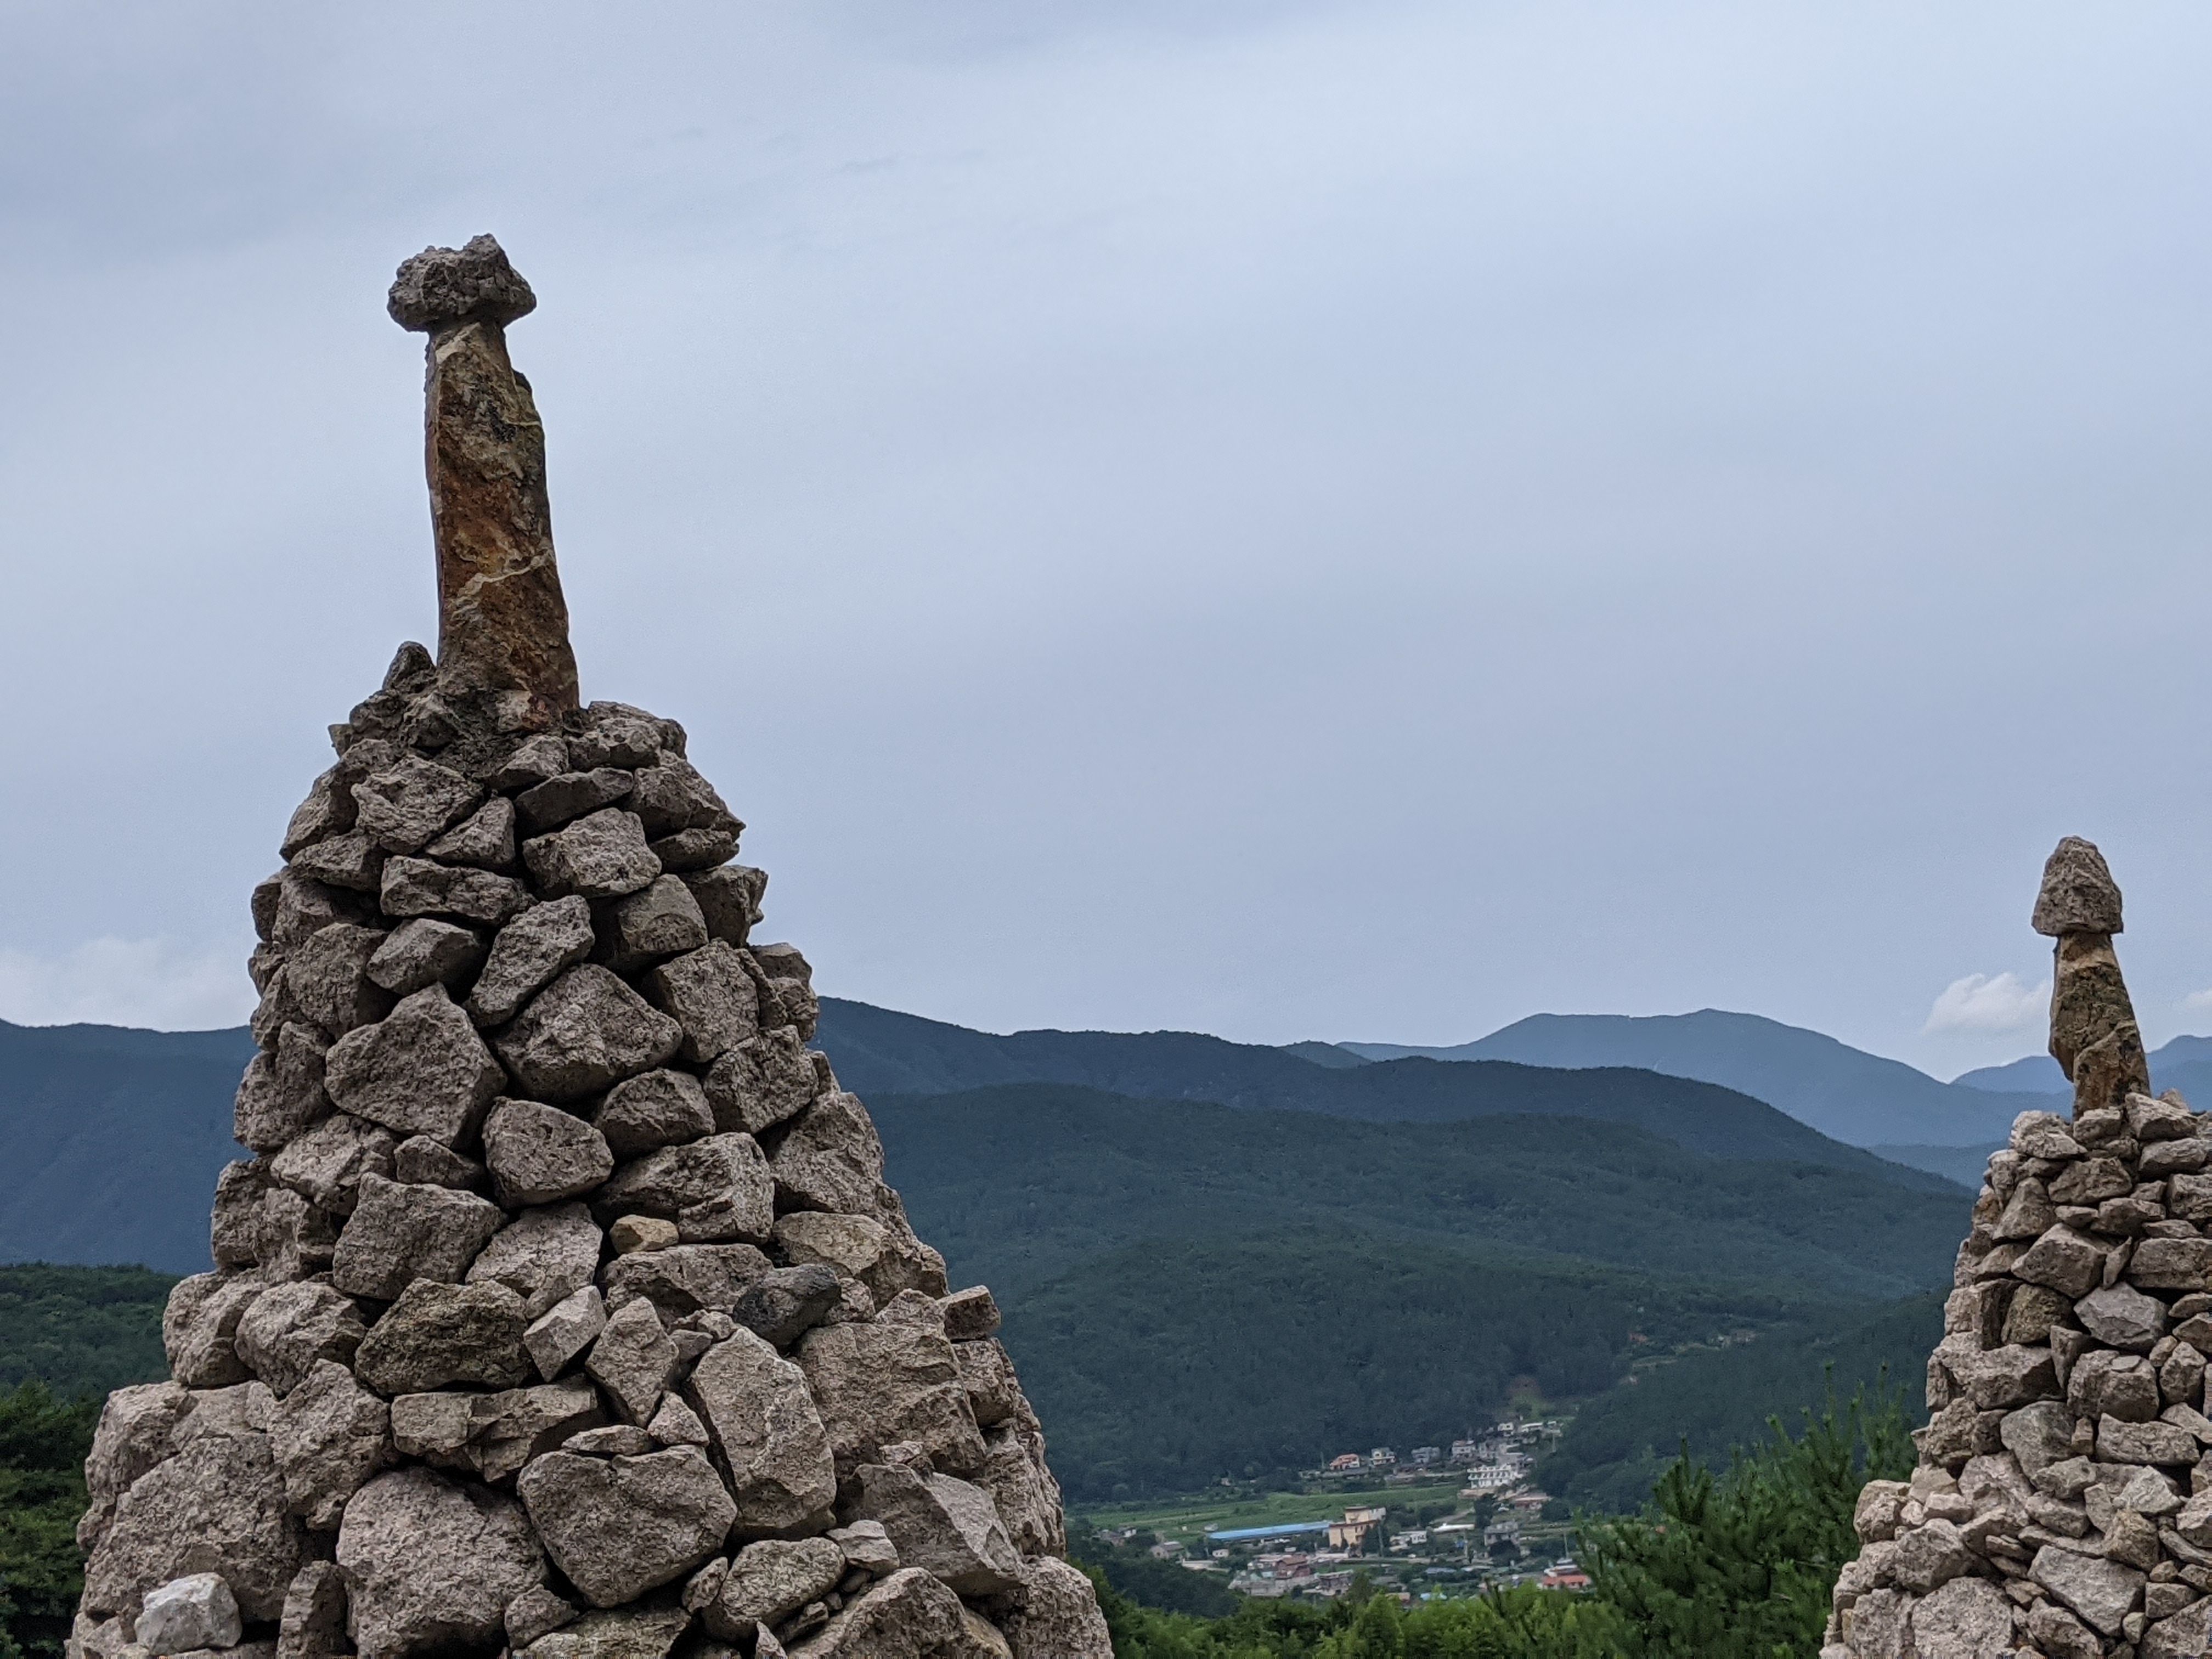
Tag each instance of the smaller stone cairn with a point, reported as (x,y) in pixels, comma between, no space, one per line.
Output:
(563,1310)
(2063,1503)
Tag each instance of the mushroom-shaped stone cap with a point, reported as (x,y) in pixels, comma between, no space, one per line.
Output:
(445,285)
(2079,895)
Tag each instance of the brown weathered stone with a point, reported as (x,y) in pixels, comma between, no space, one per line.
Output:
(2078,894)
(502,624)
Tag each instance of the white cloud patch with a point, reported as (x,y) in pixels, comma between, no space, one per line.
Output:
(1979,1002)
(149,982)
(2198,1002)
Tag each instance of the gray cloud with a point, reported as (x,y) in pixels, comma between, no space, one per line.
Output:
(1319,520)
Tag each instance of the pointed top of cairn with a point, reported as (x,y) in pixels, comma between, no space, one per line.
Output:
(2079,895)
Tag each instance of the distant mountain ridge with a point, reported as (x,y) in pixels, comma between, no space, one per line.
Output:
(1847,1094)
(876,1051)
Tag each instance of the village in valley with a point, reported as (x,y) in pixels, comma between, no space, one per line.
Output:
(1438,1522)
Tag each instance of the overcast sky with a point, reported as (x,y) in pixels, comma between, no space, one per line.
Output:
(1360,521)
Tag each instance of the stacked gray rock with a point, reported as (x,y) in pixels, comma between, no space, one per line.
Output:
(2063,1501)
(562,1309)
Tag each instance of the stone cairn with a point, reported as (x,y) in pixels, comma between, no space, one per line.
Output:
(562,1309)
(2062,1506)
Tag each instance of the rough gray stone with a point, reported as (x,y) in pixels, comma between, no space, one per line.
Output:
(199,1329)
(351,860)
(312,1624)
(1998,1379)
(539,1154)
(419,1161)
(197,1611)
(289,1328)
(136,1424)
(327,974)
(887,1261)
(770,1580)
(715,1189)
(431,1565)
(294,906)
(437,1334)
(535,758)
(658,920)
(2037,1435)
(283,1094)
(671,797)
(657,1109)
(235,1228)
(2102,1593)
(760,1082)
(565,1330)
(945,1526)
(729,899)
(688,851)
(2067,1261)
(2104,1384)
(615,1440)
(423,952)
(485,839)
(643,1633)
(327,811)
(894,1378)
(1027,1496)
(785,1303)
(419,887)
(422,1070)
(971,1314)
(537,1612)
(831,1159)
(707,993)
(603,855)
(2120,1316)
(766,1435)
(686,1279)
(397,1234)
(543,1255)
(867,1547)
(2121,1442)
(585,1032)
(2078,894)
(1055,1616)
(632,1360)
(562,800)
(495,1434)
(325,1164)
(218,1506)
(908,1615)
(528,954)
(329,1435)
(676,1423)
(622,1526)
(404,808)
(630,1233)
(2172,1264)
(619,734)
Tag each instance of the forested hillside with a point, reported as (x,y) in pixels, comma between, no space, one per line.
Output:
(1018,1184)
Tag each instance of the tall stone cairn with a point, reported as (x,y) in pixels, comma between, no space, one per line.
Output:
(562,1309)
(2063,1503)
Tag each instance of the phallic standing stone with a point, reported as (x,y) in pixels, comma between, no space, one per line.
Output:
(502,624)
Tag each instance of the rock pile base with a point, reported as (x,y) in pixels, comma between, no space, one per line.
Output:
(563,1308)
